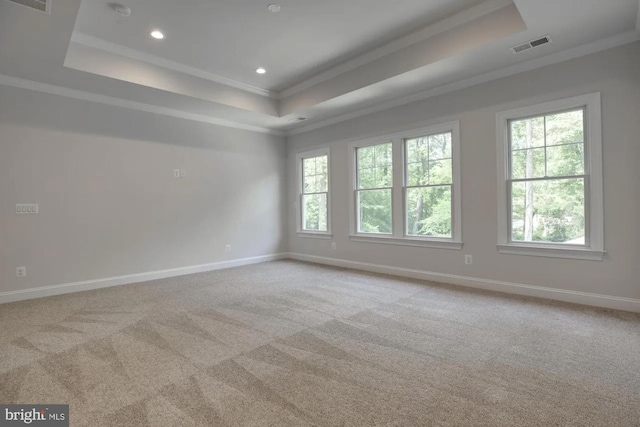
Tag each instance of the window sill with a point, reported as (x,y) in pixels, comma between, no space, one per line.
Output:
(313,235)
(552,251)
(407,241)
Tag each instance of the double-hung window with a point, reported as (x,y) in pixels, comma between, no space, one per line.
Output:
(406,188)
(550,179)
(374,177)
(314,203)
(428,185)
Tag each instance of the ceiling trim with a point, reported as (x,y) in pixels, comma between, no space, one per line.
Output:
(576,52)
(97,43)
(123,103)
(638,18)
(456,20)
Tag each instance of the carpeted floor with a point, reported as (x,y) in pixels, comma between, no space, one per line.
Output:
(294,344)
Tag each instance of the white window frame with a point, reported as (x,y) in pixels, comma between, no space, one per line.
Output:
(324,151)
(398,201)
(593,249)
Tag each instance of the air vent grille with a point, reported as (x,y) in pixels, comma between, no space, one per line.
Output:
(531,44)
(41,5)
(540,42)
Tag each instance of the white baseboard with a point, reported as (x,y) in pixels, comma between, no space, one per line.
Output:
(597,300)
(87,285)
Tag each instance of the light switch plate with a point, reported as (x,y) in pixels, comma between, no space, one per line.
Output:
(27,209)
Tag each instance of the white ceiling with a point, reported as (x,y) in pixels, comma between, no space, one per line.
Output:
(327,60)
(231,38)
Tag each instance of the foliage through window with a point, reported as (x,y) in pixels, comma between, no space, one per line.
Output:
(315,193)
(374,175)
(547,178)
(429,182)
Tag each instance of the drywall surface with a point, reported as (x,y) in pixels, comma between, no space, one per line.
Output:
(615,73)
(109,204)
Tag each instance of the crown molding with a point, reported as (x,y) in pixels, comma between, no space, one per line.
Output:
(576,52)
(116,49)
(638,18)
(594,47)
(438,27)
(132,105)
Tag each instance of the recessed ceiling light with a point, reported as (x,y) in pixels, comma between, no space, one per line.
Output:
(261,70)
(157,35)
(274,8)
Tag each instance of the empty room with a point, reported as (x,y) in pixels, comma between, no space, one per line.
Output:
(320,213)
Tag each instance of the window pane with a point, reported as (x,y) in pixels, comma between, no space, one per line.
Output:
(440,146)
(315,174)
(374,166)
(417,153)
(527,133)
(429,211)
(428,160)
(366,178)
(565,128)
(365,157)
(548,211)
(527,163)
(565,160)
(314,212)
(374,211)
(321,165)
(440,172)
(309,185)
(309,167)
(417,174)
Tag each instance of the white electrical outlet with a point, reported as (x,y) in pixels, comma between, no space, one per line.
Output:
(227,248)
(21,271)
(468,259)
(176,173)
(333,245)
(27,209)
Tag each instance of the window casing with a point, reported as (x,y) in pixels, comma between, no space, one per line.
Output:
(550,200)
(406,188)
(313,206)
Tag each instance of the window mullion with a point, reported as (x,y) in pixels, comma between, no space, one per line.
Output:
(397,197)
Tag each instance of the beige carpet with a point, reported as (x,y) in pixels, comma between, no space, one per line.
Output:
(295,344)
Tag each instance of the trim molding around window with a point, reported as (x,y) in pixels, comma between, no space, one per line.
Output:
(314,192)
(540,166)
(388,179)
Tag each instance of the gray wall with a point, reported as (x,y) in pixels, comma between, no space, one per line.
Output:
(615,73)
(109,205)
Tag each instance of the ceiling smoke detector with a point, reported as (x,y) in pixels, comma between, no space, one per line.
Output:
(121,9)
(274,8)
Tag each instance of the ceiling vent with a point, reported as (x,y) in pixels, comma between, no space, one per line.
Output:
(531,44)
(41,5)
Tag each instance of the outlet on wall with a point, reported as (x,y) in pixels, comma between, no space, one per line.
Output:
(468,259)
(21,271)
(333,245)
(227,248)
